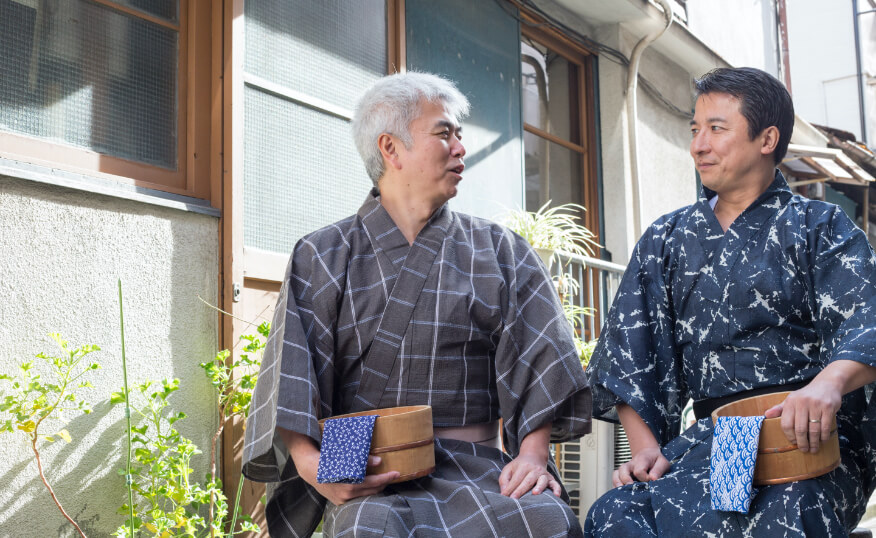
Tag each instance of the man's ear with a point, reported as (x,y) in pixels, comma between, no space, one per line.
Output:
(769,140)
(388,146)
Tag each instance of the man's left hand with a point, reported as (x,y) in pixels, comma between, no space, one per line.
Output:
(527,473)
(807,414)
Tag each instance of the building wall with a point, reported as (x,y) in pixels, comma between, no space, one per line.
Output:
(63,253)
(667,175)
(823,68)
(744,32)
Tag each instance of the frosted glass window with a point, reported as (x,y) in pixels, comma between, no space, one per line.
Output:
(89,76)
(330,49)
(166,9)
(553,173)
(301,172)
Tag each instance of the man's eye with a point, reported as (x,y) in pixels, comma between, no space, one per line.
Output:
(716,128)
(693,132)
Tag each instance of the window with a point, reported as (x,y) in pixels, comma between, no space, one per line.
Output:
(101,87)
(557,97)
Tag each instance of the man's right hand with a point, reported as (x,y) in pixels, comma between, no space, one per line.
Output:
(648,464)
(305,455)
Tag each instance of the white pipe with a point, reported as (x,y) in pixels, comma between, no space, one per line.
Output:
(632,113)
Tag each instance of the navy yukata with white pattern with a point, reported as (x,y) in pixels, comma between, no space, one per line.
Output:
(487,339)
(790,287)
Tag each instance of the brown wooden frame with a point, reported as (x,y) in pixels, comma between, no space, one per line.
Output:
(194,118)
(585,126)
(228,73)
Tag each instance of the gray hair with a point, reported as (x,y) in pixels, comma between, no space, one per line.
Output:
(391,104)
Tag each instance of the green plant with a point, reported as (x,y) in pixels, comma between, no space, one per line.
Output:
(575,314)
(553,228)
(168,501)
(34,403)
(234,382)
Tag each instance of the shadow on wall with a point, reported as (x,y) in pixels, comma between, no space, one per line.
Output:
(70,249)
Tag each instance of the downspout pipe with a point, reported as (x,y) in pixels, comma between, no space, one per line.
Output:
(632,113)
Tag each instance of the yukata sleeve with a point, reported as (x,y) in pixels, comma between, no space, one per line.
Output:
(843,297)
(539,377)
(287,390)
(635,361)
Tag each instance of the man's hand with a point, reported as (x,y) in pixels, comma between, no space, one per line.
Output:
(306,457)
(807,414)
(648,464)
(528,471)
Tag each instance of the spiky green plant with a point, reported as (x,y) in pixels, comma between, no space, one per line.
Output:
(555,228)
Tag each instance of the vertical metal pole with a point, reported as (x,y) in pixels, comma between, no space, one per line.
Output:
(860,74)
(784,56)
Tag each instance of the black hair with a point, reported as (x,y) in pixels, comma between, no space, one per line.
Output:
(764,101)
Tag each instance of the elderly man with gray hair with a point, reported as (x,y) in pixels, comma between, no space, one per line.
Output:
(475,330)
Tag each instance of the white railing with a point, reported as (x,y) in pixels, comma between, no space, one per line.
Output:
(586,465)
(598,282)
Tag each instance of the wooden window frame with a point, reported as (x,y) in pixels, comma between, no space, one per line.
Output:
(194,118)
(534,28)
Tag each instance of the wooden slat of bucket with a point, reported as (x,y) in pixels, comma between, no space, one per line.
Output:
(407,429)
(775,463)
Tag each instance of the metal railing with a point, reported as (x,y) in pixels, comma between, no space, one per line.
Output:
(598,281)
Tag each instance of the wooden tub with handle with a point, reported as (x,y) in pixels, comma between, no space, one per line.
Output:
(403,438)
(778,460)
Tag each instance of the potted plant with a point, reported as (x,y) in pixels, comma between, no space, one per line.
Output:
(553,230)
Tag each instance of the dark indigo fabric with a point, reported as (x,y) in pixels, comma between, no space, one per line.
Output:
(700,313)
(343,453)
(487,339)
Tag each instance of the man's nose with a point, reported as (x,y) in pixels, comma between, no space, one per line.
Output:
(458,150)
(699,143)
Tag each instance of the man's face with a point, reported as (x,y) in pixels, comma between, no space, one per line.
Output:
(726,158)
(433,163)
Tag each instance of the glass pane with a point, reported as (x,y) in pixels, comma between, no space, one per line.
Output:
(166,9)
(547,82)
(301,172)
(451,38)
(553,173)
(331,49)
(88,76)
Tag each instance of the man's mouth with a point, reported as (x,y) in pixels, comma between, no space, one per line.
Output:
(458,169)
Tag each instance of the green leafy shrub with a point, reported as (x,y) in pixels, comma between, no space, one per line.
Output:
(35,405)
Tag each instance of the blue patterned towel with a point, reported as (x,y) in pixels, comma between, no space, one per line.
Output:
(734,452)
(343,455)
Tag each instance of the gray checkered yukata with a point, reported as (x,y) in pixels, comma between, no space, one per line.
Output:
(487,339)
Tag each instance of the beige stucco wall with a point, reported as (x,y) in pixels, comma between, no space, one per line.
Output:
(666,171)
(63,251)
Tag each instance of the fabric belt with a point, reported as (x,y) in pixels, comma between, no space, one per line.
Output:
(485,433)
(704,408)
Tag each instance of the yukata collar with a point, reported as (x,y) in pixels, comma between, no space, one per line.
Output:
(386,237)
(779,187)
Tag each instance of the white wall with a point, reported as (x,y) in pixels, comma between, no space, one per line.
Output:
(823,69)
(741,31)
(63,251)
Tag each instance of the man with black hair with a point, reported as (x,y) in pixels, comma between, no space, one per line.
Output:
(748,291)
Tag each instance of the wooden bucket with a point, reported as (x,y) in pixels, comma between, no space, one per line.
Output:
(403,439)
(778,460)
